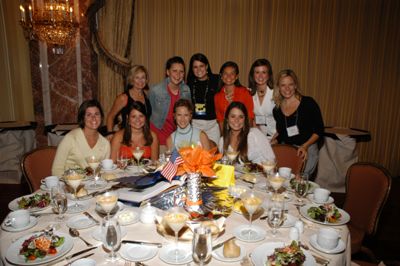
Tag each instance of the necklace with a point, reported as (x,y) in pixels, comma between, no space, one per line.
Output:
(229,97)
(181,132)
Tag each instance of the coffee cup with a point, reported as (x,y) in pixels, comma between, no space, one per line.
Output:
(328,238)
(107,164)
(50,181)
(285,172)
(18,219)
(321,195)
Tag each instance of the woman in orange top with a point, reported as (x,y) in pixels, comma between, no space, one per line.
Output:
(136,134)
(231,91)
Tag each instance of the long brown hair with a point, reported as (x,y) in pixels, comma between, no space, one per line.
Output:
(226,132)
(126,139)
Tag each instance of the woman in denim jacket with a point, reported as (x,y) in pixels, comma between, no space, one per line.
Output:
(163,96)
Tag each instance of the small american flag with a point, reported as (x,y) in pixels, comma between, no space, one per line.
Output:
(171,168)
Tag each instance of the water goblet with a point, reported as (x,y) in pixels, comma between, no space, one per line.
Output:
(176,219)
(59,201)
(301,187)
(107,201)
(251,201)
(111,236)
(94,162)
(275,215)
(122,161)
(74,179)
(201,245)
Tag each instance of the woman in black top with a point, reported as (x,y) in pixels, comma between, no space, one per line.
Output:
(203,86)
(298,119)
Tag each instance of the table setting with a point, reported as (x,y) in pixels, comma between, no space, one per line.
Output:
(242,223)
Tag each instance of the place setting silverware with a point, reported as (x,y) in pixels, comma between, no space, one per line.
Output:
(91,218)
(159,245)
(75,233)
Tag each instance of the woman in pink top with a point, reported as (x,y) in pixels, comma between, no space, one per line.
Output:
(231,91)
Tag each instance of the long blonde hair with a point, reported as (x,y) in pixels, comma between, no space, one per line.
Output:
(282,74)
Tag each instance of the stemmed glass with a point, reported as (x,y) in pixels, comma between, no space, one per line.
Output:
(74,179)
(276,182)
(301,187)
(59,201)
(201,245)
(111,236)
(176,219)
(138,153)
(107,201)
(275,215)
(231,156)
(94,162)
(251,202)
(122,161)
(269,166)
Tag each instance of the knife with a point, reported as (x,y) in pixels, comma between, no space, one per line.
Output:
(320,260)
(91,217)
(88,255)
(222,243)
(79,253)
(159,245)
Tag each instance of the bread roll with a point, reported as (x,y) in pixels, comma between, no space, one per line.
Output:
(109,176)
(231,250)
(82,192)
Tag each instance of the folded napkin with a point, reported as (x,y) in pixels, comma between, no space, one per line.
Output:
(225,175)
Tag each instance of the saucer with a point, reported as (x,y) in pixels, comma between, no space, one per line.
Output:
(340,247)
(114,167)
(128,217)
(219,254)
(241,233)
(80,222)
(136,252)
(166,254)
(33,221)
(96,234)
(311,198)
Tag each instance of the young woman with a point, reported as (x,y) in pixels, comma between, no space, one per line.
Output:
(136,133)
(83,141)
(261,84)
(185,134)
(134,91)
(298,119)
(203,86)
(163,96)
(230,91)
(250,143)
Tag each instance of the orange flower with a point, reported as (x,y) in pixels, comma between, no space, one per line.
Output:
(197,159)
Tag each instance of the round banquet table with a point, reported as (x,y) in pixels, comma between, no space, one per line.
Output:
(148,232)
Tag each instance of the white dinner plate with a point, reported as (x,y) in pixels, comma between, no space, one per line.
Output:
(13,205)
(114,167)
(13,256)
(96,234)
(342,220)
(258,233)
(32,222)
(289,221)
(260,254)
(136,252)
(80,222)
(340,247)
(219,254)
(311,198)
(166,254)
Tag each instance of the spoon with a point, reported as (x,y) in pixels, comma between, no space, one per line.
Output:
(75,233)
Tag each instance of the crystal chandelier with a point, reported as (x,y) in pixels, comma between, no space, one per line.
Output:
(50,21)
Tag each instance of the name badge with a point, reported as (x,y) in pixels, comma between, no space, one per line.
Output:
(261,120)
(292,131)
(200,108)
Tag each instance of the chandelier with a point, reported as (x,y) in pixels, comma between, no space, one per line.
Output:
(50,21)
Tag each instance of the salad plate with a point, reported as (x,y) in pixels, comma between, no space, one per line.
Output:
(32,222)
(343,219)
(33,202)
(137,252)
(14,257)
(167,254)
(219,254)
(312,186)
(340,247)
(260,254)
(80,222)
(311,198)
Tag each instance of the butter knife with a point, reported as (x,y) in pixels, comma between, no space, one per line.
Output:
(91,217)
(79,253)
(159,245)
(222,243)
(320,260)
(88,255)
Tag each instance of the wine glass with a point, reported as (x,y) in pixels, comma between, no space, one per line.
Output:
(275,215)
(269,166)
(301,187)
(201,245)
(231,156)
(94,162)
(107,201)
(59,201)
(251,202)
(122,161)
(138,153)
(276,182)
(111,236)
(74,179)
(176,219)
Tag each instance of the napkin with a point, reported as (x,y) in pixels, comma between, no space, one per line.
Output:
(225,175)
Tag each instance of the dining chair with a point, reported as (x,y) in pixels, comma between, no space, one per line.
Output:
(36,165)
(286,156)
(367,189)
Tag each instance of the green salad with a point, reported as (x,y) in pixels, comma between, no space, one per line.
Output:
(34,201)
(291,255)
(324,213)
